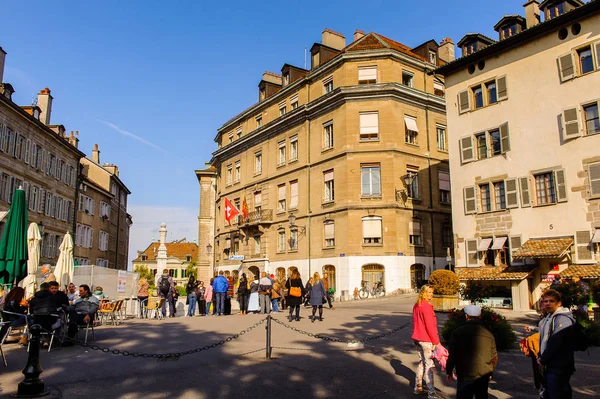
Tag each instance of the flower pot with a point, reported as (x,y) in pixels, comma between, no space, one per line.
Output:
(444,303)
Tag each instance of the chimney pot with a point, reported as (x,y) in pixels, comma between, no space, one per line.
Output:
(333,39)
(96,154)
(45,105)
(532,13)
(446,50)
(358,34)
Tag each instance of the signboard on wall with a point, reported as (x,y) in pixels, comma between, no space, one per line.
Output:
(121,281)
(236,257)
(547,278)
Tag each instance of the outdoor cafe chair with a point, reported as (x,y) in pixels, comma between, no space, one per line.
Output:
(2,339)
(119,310)
(154,305)
(46,322)
(86,326)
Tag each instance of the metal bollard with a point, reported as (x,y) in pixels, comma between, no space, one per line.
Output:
(268,328)
(32,386)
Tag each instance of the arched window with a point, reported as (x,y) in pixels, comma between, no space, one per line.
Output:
(373,273)
(330,271)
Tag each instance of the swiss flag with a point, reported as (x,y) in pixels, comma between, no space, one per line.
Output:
(230,211)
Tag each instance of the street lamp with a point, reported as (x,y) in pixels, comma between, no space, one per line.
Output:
(292,220)
(407,180)
(209,249)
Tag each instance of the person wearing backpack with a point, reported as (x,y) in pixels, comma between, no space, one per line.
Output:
(557,347)
(220,286)
(166,288)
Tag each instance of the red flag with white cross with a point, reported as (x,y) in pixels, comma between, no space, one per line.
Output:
(230,211)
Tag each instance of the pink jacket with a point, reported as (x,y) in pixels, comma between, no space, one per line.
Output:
(208,291)
(425,323)
(441,356)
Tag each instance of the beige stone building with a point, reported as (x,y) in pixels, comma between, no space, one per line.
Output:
(523,123)
(343,168)
(179,255)
(39,157)
(103,224)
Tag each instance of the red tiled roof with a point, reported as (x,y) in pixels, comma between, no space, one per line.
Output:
(581,272)
(495,273)
(374,41)
(178,250)
(544,248)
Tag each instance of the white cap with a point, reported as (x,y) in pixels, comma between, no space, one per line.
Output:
(472,310)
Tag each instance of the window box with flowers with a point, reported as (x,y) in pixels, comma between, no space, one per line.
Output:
(104,217)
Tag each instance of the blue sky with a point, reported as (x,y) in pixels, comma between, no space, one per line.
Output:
(151,81)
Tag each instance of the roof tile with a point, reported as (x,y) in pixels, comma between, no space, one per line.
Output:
(178,250)
(581,272)
(544,248)
(495,273)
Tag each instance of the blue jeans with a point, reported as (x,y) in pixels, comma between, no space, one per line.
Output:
(192,307)
(275,305)
(207,308)
(221,302)
(557,385)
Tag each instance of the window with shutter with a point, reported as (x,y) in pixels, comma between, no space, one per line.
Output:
(504,138)
(329,228)
(501,88)
(511,193)
(466,149)
(561,185)
(583,247)
(369,125)
(367,75)
(570,123)
(371,230)
(524,187)
(470,199)
(464,102)
(281,198)
(597,53)
(594,176)
(515,243)
(294,194)
(472,255)
(566,67)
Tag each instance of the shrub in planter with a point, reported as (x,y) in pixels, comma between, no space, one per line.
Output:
(497,324)
(475,291)
(572,293)
(596,292)
(444,282)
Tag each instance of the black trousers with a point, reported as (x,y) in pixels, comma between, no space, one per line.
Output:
(201,306)
(243,300)
(477,388)
(227,305)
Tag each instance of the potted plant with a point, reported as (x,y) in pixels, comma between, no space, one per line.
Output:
(445,284)
(596,299)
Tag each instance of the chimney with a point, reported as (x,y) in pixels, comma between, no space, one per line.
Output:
(272,77)
(446,50)
(73,140)
(333,39)
(532,13)
(358,34)
(2,58)
(96,154)
(45,104)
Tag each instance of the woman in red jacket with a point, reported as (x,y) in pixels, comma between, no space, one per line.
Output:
(426,339)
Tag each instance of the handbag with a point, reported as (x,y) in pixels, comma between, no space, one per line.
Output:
(295,291)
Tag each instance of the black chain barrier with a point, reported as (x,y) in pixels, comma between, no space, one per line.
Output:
(347,341)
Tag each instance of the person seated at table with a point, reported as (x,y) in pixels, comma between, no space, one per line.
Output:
(83,310)
(47,272)
(72,293)
(99,293)
(16,304)
(60,297)
(45,307)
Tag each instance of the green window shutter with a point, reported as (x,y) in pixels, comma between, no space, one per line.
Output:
(570,123)
(566,67)
(511,193)
(515,243)
(583,247)
(467,151)
(470,199)
(464,102)
(472,257)
(561,185)
(525,197)
(504,138)
(594,176)
(501,88)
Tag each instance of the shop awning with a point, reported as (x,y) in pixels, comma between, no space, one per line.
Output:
(484,244)
(586,272)
(411,123)
(517,273)
(550,248)
(499,242)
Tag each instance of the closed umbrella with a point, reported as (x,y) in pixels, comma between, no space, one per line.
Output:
(65,266)
(13,246)
(33,248)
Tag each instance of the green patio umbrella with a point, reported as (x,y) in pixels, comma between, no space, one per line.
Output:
(13,246)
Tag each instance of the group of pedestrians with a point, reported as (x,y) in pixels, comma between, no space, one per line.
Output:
(471,357)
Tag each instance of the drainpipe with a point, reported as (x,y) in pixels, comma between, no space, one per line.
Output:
(432,213)
(118,225)
(78,181)
(308,175)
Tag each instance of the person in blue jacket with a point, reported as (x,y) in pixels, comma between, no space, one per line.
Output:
(220,286)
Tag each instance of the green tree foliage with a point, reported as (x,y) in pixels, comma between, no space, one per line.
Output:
(497,324)
(572,293)
(143,271)
(475,291)
(191,269)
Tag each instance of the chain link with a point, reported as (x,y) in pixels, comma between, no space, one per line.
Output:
(334,339)
(164,356)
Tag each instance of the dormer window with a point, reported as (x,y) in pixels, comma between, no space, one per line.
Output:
(36,113)
(508,31)
(555,10)
(144,258)
(432,57)
(258,121)
(188,258)
(286,79)
(470,48)
(262,95)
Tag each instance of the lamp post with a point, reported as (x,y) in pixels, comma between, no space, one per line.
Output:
(209,249)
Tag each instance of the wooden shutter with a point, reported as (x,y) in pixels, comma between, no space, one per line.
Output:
(504,138)
(594,176)
(329,230)
(561,185)
(583,247)
(570,123)
(525,197)
(511,193)
(470,199)
(471,248)
(501,88)
(597,51)
(371,227)
(294,194)
(466,149)
(464,102)
(515,243)
(566,67)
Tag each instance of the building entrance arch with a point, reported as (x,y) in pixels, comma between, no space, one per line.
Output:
(417,275)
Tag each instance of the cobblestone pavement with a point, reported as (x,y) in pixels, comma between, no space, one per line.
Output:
(301,366)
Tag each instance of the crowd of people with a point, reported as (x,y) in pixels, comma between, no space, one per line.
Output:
(261,295)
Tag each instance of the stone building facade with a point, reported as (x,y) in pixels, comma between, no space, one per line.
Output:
(343,168)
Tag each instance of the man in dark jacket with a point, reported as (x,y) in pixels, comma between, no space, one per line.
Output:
(220,286)
(473,353)
(557,347)
(59,297)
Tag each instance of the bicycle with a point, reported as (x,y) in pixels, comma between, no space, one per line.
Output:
(377,291)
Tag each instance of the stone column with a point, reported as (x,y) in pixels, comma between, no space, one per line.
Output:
(207,179)
(161,257)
